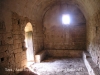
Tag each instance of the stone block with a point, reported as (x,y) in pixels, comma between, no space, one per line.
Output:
(16,32)
(23,63)
(17,57)
(40,56)
(59,53)
(17,41)
(17,50)
(92,68)
(16,37)
(10,47)
(15,46)
(24,56)
(65,53)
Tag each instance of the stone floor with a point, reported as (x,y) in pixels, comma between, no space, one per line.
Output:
(62,66)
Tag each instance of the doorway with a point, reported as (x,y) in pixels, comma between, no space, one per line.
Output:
(29,42)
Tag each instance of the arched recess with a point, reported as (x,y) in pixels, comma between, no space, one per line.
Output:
(63,37)
(29,42)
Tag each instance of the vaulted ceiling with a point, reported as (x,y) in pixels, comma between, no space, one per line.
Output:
(37,8)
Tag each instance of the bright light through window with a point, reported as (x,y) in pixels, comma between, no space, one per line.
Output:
(65,19)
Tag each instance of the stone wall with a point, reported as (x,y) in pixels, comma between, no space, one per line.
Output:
(93,37)
(12,44)
(65,53)
(62,37)
(12,48)
(12,36)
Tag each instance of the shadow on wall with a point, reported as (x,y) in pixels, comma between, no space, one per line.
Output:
(26,72)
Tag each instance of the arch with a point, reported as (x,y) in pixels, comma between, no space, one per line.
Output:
(52,22)
(28,27)
(29,42)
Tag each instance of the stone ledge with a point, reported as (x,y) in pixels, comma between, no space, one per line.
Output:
(92,68)
(65,53)
(40,56)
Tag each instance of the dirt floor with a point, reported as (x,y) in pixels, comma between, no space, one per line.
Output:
(61,66)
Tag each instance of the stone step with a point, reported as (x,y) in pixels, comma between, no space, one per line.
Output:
(92,68)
